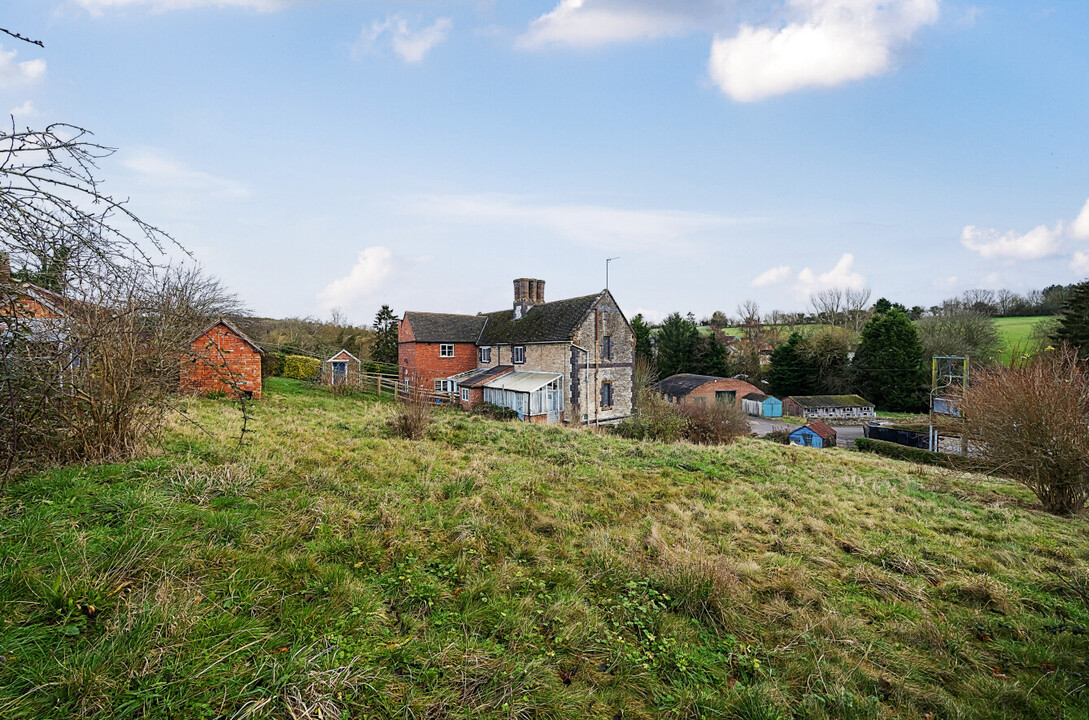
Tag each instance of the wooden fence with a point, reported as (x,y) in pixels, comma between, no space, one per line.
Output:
(389,385)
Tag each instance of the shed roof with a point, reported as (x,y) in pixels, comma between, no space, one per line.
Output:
(549,322)
(758,397)
(819,428)
(343,352)
(684,383)
(230,326)
(522,381)
(818,401)
(444,327)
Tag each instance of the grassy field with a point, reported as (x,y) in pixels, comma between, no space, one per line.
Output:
(328,569)
(1016,333)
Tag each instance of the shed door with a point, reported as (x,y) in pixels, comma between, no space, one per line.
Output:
(340,371)
(552,405)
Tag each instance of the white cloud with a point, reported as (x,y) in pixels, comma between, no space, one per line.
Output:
(409,44)
(827,43)
(1037,243)
(652,317)
(97,7)
(371,269)
(588,23)
(27,109)
(1080,262)
(157,170)
(16,74)
(842,275)
(598,226)
(1080,228)
(771,276)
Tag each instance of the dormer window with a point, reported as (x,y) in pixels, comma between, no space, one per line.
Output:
(446,351)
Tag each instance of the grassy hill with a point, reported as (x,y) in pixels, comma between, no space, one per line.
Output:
(330,570)
(1016,333)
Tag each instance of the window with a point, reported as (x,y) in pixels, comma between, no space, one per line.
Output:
(607,347)
(465,394)
(485,355)
(518,354)
(446,386)
(729,396)
(446,350)
(606,394)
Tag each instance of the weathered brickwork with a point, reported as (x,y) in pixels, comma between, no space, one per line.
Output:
(707,392)
(221,361)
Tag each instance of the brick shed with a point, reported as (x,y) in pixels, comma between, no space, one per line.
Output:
(700,389)
(222,359)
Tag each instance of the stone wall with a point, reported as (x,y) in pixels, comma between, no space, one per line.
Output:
(595,370)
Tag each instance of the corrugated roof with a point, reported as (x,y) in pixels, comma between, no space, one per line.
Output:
(522,381)
(477,378)
(821,429)
(817,401)
(443,327)
(551,322)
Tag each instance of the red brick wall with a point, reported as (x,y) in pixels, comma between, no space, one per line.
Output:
(422,360)
(476,397)
(706,392)
(219,361)
(28,307)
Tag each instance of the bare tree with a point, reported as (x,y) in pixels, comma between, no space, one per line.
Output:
(1030,421)
(828,306)
(855,304)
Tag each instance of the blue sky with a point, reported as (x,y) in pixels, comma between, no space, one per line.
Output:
(318,154)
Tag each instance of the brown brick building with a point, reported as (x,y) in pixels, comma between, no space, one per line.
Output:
(222,359)
(690,388)
(564,361)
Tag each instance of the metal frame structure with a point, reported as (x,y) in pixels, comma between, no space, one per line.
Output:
(946,371)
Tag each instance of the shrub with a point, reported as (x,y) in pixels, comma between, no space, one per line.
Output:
(715,423)
(1031,421)
(300,367)
(494,412)
(413,414)
(781,437)
(272,364)
(654,419)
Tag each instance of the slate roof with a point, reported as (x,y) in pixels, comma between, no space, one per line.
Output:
(819,401)
(445,328)
(477,378)
(551,322)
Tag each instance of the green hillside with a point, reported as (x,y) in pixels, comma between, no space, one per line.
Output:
(1016,333)
(328,569)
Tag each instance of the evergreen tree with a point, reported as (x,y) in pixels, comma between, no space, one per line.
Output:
(889,362)
(792,373)
(384,349)
(709,357)
(1074,323)
(641,331)
(677,341)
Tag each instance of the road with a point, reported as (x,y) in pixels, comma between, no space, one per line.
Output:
(845,434)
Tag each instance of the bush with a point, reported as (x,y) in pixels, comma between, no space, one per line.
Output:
(1031,421)
(711,424)
(918,455)
(782,437)
(300,367)
(494,412)
(715,423)
(413,414)
(272,364)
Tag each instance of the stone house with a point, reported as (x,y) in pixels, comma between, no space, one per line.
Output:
(568,361)
(222,359)
(689,388)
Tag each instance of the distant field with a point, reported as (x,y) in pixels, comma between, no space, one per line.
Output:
(1016,332)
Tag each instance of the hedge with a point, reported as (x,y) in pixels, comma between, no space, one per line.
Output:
(272,364)
(300,367)
(918,455)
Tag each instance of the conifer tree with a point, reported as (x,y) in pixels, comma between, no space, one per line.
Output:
(384,349)
(1074,323)
(677,341)
(888,364)
(791,371)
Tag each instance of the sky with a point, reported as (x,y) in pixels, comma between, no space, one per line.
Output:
(321,154)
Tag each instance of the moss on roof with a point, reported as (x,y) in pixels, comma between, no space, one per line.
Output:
(444,327)
(814,401)
(551,322)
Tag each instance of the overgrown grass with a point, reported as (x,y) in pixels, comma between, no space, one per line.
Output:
(329,569)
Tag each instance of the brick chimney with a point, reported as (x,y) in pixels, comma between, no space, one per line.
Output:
(527,293)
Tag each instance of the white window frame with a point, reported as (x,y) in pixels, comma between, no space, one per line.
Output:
(485,356)
(446,350)
(446,386)
(465,394)
(516,352)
